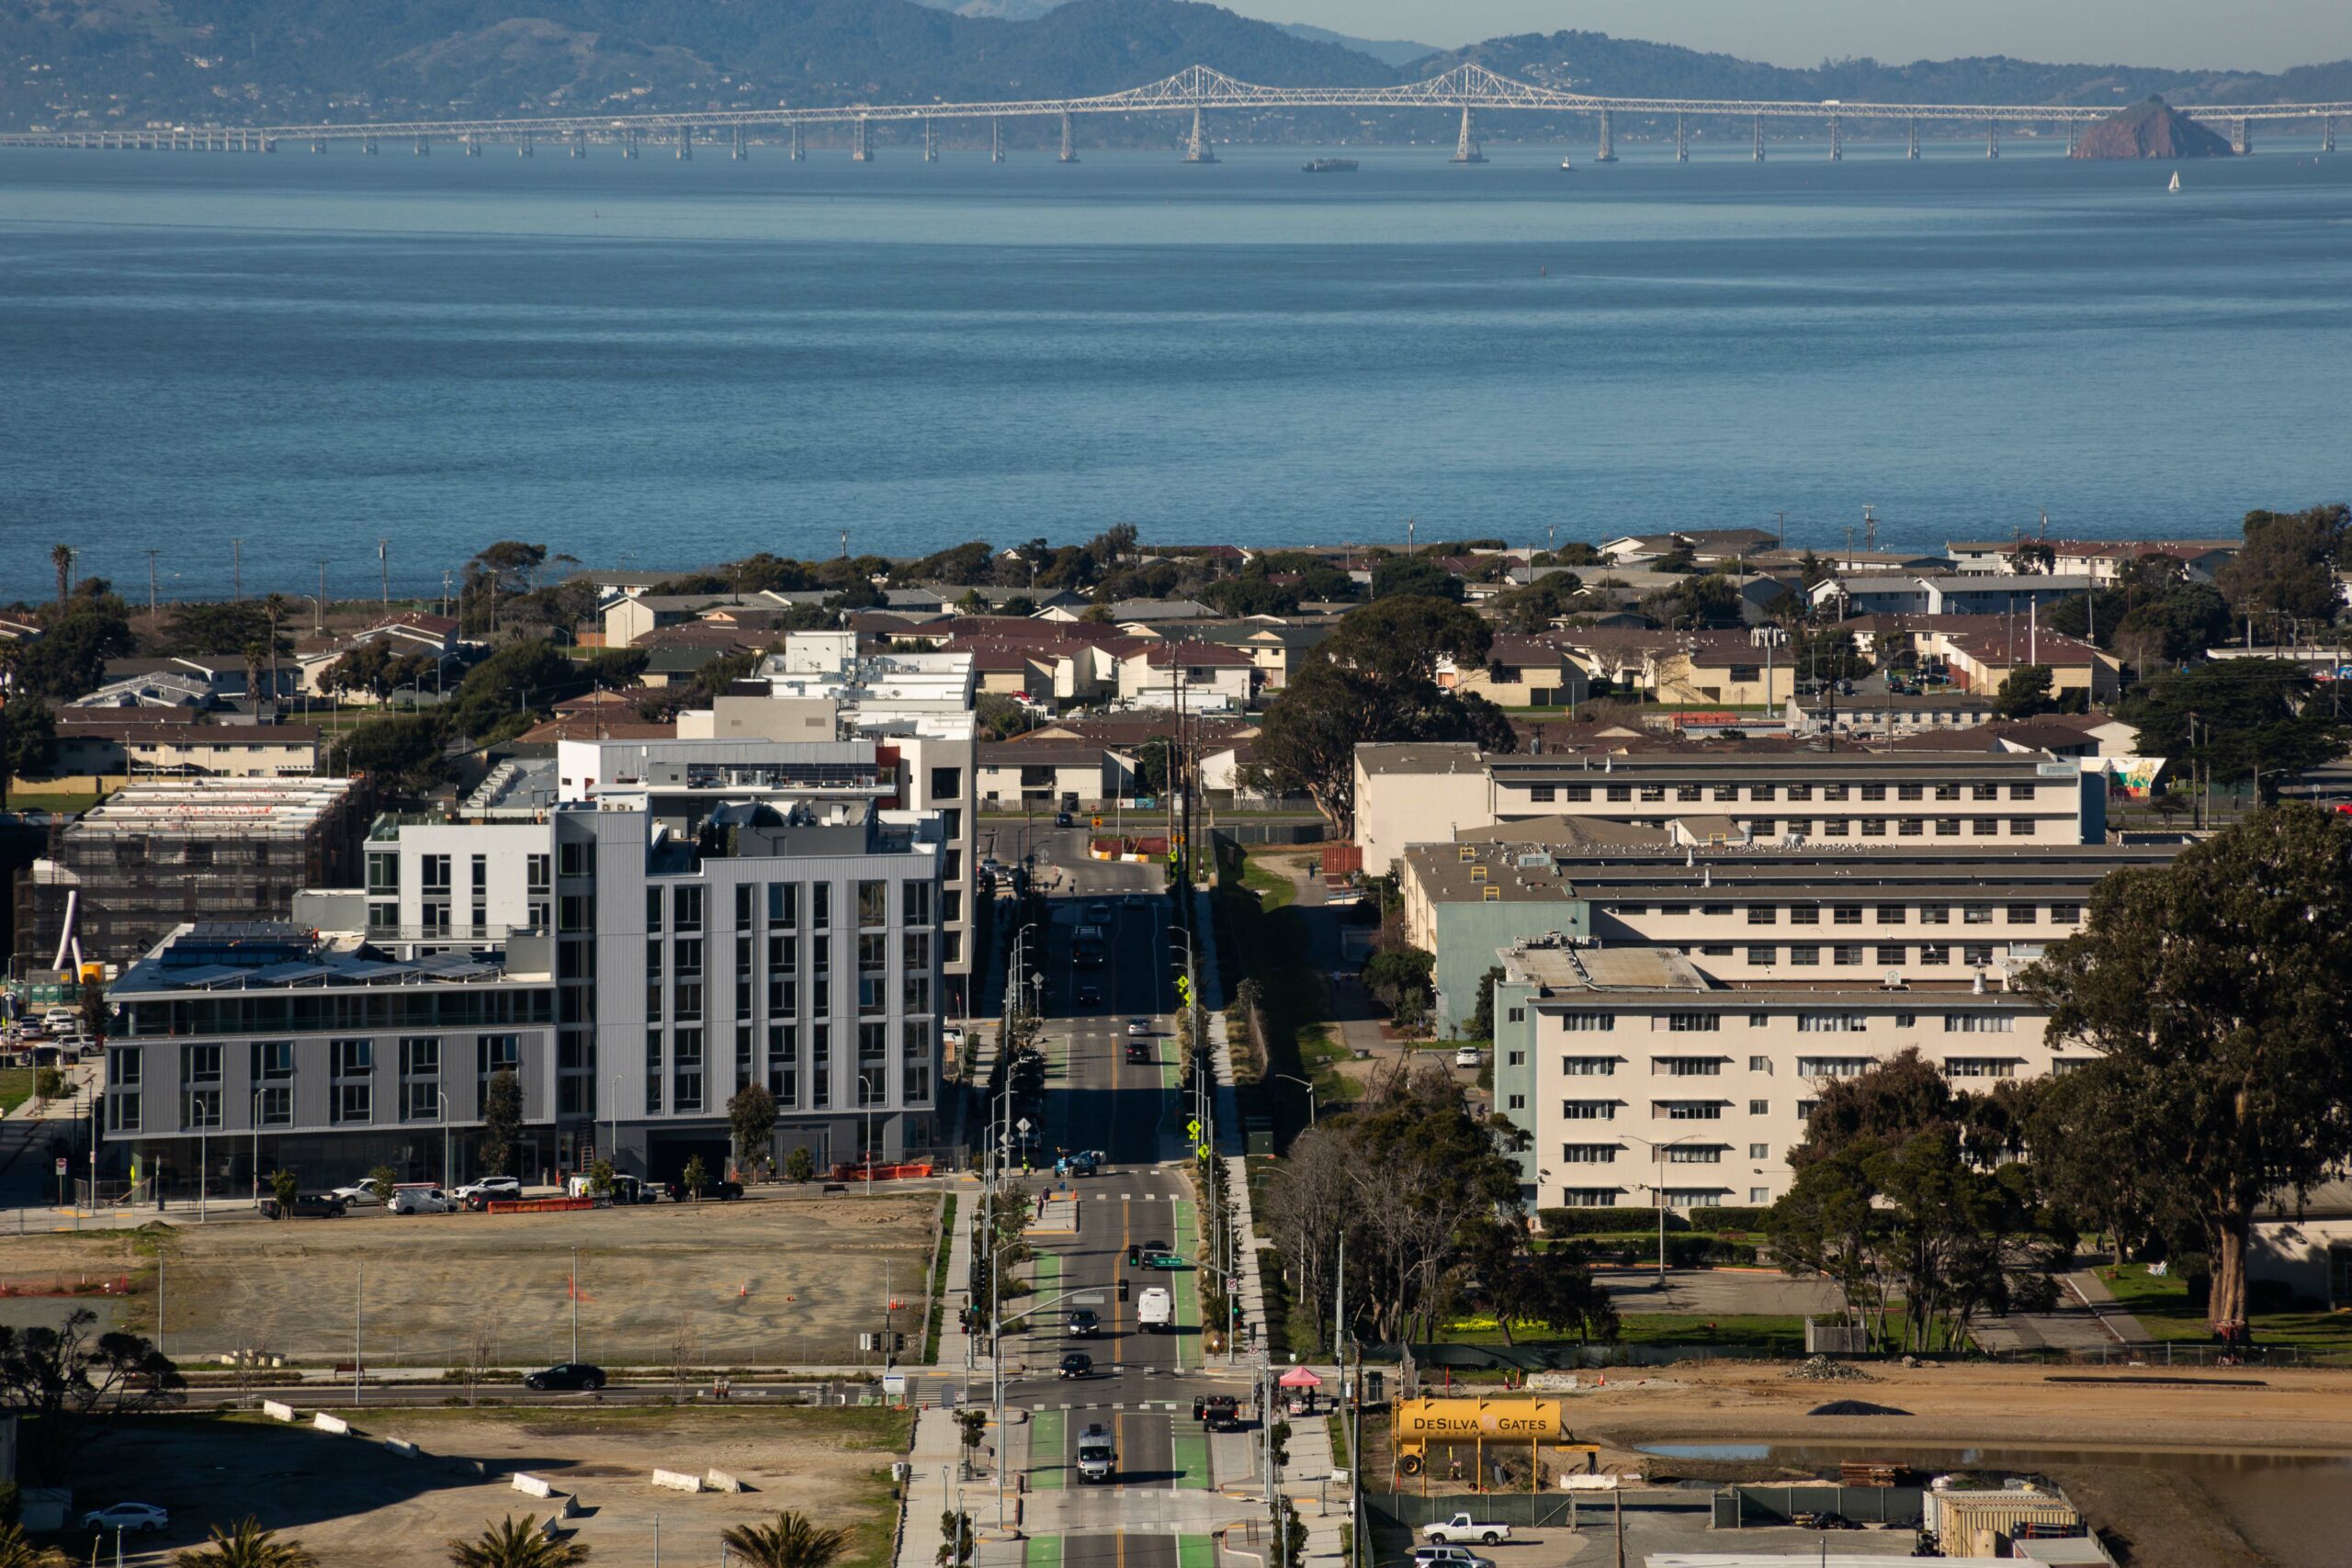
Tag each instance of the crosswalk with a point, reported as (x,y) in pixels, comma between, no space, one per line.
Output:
(1133,1197)
(1139,1405)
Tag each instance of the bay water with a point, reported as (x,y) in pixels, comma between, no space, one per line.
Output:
(660,364)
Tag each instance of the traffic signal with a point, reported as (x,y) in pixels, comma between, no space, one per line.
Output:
(1123,1287)
(1134,1256)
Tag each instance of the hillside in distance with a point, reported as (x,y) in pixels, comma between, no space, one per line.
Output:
(1595,62)
(94,65)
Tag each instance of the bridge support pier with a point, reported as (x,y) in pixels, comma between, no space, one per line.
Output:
(473,144)
(268,144)
(368,147)
(1913,151)
(424,148)
(1992,138)
(1837,141)
(527,148)
(318,145)
(1069,141)
(2242,143)
(741,151)
(1197,146)
(2328,133)
(996,139)
(929,144)
(580,144)
(861,140)
(1681,145)
(799,144)
(1466,147)
(686,144)
(1759,138)
(1608,153)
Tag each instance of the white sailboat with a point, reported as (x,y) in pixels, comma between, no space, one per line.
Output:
(2174,188)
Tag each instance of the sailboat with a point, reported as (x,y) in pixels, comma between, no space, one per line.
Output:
(2174,187)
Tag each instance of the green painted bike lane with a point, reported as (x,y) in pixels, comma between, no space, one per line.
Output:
(1045,1551)
(1183,1239)
(1195,1552)
(1048,1466)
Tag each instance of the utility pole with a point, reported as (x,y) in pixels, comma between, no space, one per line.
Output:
(151,586)
(319,621)
(237,568)
(384,566)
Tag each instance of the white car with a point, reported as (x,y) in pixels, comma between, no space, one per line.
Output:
(60,1020)
(1467,1057)
(127,1517)
(357,1193)
(490,1189)
(422,1201)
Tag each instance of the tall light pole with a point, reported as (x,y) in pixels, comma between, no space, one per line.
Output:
(1310,1094)
(1657,1156)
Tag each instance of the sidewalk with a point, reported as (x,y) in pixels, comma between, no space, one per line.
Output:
(1230,1144)
(1324,1507)
(934,1486)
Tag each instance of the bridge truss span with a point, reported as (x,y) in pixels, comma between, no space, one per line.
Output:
(1192,92)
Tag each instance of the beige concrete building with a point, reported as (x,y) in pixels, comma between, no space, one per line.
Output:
(1635,1074)
(1424,793)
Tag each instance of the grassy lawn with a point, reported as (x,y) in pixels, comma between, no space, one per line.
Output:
(2161,1303)
(1774,1332)
(38,800)
(15,1088)
(1274,889)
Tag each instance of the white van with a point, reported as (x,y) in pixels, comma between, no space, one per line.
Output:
(422,1199)
(1097,1461)
(1156,1310)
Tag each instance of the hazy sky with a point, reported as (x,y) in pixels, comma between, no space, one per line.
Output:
(2261,35)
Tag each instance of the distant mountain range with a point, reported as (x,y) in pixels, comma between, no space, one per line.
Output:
(101,63)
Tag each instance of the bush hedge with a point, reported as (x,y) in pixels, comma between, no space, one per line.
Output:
(1595,1222)
(1727,1219)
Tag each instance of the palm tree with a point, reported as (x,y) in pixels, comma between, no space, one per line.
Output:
(61,557)
(245,1545)
(16,1551)
(793,1541)
(510,1545)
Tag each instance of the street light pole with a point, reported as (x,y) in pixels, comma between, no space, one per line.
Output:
(1309,1087)
(1657,1156)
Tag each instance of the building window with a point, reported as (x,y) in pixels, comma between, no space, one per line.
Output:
(1891,956)
(274,1103)
(1589,1066)
(1797,792)
(685,1069)
(1980,1023)
(1892,914)
(571,859)
(872,904)
(1849,956)
(1759,1195)
(1517,1102)
(420,1077)
(1804,915)
(2020,827)
(914,971)
(1590,1153)
(784,1064)
(873,1065)
(1935,914)
(1981,1067)
(434,874)
(1848,914)
(1833,1067)
(1589,1022)
(1984,827)
(1759,1107)
(1760,1151)
(914,1063)
(820,1063)
(2066,914)
(1947,827)
(1588,1109)
(820,906)
(1912,828)
(1541,793)
(1694,1023)
(821,974)
(1591,1197)
(784,903)
(1763,914)
(2021,914)
(1804,957)
(1762,954)
(653,1071)
(1976,953)
(652,910)
(784,985)
(1688,1066)
(1695,1154)
(744,977)
(1832,1023)
(1760,1064)
(1688,1110)
(686,909)
(383,874)
(1907,791)
(746,893)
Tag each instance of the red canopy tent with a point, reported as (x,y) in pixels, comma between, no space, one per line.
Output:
(1299,1377)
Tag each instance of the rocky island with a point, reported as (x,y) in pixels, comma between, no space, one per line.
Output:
(2152,129)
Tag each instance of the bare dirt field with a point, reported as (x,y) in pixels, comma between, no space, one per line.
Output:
(763,1281)
(2198,1470)
(358,1506)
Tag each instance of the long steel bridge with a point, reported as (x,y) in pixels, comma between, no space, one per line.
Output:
(1197,91)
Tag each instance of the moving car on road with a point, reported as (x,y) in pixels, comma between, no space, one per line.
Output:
(1156,1311)
(422,1201)
(1467,1057)
(1077,1364)
(1138,1029)
(566,1375)
(1449,1557)
(1085,1323)
(126,1517)
(1096,1459)
(305,1206)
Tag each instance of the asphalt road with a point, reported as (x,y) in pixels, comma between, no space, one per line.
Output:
(1144,1383)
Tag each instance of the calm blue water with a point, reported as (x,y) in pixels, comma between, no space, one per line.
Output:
(677,363)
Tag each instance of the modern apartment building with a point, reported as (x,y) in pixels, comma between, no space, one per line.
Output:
(243,1047)
(1422,792)
(702,944)
(1808,914)
(1632,1072)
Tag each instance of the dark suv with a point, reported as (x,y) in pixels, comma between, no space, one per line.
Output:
(305,1206)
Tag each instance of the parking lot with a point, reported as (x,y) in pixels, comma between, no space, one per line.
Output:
(762,1282)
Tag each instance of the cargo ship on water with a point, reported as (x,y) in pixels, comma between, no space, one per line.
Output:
(1329,166)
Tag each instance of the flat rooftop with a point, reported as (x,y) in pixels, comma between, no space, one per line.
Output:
(252,955)
(1523,872)
(216,807)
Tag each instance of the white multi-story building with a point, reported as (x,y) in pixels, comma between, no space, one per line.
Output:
(1631,1071)
(705,938)
(1418,793)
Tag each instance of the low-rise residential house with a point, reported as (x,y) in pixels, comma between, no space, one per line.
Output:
(630,617)
(1046,775)
(1210,675)
(1960,594)
(2103,560)
(174,746)
(1520,671)
(1708,546)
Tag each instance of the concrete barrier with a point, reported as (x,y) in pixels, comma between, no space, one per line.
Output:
(402,1447)
(532,1486)
(720,1480)
(271,1409)
(677,1481)
(326,1423)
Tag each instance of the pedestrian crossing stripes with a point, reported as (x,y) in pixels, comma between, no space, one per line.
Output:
(1121,1404)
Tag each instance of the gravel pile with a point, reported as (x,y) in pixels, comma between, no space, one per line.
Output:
(1821,1369)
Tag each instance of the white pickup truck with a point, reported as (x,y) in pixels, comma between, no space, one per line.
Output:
(1462,1529)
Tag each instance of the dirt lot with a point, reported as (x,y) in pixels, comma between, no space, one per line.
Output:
(762,1282)
(2187,1472)
(358,1506)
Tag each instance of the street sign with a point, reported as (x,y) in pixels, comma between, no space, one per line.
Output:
(894,1384)
(1192,1129)
(60,1165)
(1022,1123)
